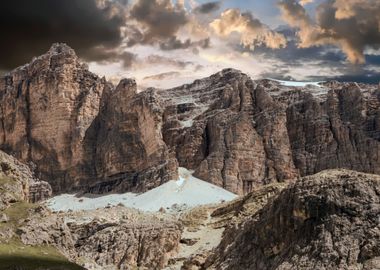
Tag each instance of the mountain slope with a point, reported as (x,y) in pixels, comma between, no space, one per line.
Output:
(329,220)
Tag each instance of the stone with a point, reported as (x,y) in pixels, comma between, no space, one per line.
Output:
(3,218)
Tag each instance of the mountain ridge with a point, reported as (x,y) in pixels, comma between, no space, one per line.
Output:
(84,134)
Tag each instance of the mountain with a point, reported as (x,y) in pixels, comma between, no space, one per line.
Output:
(136,163)
(84,134)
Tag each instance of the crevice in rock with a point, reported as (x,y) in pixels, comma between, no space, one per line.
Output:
(28,120)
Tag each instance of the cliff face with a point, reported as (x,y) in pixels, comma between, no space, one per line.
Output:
(130,152)
(46,108)
(78,130)
(239,133)
(84,134)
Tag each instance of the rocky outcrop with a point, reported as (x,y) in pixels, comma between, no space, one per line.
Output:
(39,191)
(18,183)
(120,238)
(84,134)
(326,221)
(226,128)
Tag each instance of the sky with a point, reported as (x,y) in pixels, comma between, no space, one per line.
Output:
(166,43)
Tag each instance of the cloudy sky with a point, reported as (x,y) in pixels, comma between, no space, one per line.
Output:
(165,43)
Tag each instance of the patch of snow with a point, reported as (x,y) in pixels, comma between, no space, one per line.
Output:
(180,181)
(187,190)
(297,84)
(187,123)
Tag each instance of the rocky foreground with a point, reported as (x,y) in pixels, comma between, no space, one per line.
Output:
(84,134)
(329,220)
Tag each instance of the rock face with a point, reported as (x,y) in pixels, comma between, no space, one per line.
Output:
(227,128)
(84,134)
(46,108)
(130,152)
(79,131)
(238,133)
(326,221)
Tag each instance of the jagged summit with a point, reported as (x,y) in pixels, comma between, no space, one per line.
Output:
(57,48)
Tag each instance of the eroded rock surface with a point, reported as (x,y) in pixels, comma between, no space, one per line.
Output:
(117,237)
(326,221)
(18,183)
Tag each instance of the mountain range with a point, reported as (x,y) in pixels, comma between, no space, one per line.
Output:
(303,162)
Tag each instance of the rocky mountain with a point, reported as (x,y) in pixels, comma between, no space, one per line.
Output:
(82,133)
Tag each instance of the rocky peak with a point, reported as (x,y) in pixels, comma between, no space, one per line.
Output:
(127,85)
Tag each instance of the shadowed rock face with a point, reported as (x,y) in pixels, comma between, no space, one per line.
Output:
(84,134)
(326,221)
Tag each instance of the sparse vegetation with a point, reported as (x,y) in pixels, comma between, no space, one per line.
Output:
(15,255)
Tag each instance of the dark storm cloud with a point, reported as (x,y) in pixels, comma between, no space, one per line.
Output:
(28,28)
(329,57)
(127,59)
(158,23)
(208,7)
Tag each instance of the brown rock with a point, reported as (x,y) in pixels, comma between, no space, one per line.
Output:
(324,221)
(46,108)
(137,241)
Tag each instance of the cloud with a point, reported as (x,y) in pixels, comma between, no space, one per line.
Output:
(352,25)
(160,18)
(28,28)
(252,31)
(305,2)
(162,60)
(162,76)
(159,22)
(176,44)
(207,7)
